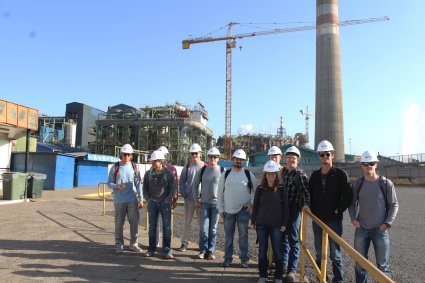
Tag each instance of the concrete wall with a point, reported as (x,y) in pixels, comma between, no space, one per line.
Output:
(5,152)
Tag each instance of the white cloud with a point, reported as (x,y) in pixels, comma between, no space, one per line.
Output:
(413,129)
(246,129)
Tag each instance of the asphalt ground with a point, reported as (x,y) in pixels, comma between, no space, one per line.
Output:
(61,239)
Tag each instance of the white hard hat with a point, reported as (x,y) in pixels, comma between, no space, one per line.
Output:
(127,149)
(195,148)
(369,156)
(271,166)
(274,150)
(239,153)
(213,151)
(157,155)
(163,149)
(325,146)
(293,149)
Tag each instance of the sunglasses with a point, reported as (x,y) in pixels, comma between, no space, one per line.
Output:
(323,154)
(365,164)
(213,156)
(194,153)
(291,157)
(126,154)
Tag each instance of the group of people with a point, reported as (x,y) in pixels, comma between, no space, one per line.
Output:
(273,208)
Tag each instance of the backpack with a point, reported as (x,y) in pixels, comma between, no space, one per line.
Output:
(382,184)
(248,175)
(117,168)
(203,170)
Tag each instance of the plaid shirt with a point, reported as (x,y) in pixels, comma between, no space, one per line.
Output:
(294,195)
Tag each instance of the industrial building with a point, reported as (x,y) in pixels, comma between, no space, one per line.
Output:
(173,125)
(75,129)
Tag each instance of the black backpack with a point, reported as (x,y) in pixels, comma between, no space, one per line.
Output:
(382,184)
(203,170)
(248,175)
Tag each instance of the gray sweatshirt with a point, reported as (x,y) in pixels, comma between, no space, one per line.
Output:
(207,192)
(186,180)
(371,212)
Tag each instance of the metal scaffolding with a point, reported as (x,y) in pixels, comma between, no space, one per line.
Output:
(174,126)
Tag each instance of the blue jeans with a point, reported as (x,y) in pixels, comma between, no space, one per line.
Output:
(334,248)
(131,210)
(381,245)
(209,221)
(263,234)
(290,240)
(230,220)
(154,209)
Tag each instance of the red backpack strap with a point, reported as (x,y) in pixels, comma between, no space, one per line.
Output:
(134,169)
(117,168)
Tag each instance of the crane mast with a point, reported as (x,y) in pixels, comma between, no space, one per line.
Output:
(231,43)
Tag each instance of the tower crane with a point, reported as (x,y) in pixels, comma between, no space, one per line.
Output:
(231,43)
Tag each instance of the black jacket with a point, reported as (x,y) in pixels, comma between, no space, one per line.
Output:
(270,208)
(330,201)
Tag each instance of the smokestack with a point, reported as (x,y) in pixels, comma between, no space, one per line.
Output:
(329,113)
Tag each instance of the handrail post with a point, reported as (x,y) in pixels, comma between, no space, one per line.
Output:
(324,256)
(103,197)
(147,217)
(303,233)
(172,223)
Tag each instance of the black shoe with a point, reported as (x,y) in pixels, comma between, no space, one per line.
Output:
(226,263)
(183,248)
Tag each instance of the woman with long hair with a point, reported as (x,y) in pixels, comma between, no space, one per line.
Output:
(269,217)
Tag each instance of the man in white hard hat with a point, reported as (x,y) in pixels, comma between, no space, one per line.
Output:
(206,200)
(173,172)
(170,167)
(372,212)
(236,192)
(159,189)
(125,181)
(275,154)
(187,177)
(330,197)
(295,182)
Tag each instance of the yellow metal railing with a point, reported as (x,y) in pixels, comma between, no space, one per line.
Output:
(102,196)
(373,271)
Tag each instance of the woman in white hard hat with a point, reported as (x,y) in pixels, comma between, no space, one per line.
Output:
(269,217)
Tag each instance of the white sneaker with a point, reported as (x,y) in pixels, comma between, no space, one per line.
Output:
(262,280)
(201,255)
(136,249)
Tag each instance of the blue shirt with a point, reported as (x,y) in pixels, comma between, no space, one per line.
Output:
(133,191)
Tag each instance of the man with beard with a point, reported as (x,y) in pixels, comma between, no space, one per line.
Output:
(236,192)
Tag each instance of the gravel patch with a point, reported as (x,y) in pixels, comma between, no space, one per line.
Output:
(406,236)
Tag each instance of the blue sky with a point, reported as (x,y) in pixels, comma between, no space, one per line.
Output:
(103,53)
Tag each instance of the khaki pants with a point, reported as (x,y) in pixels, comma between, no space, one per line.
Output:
(189,210)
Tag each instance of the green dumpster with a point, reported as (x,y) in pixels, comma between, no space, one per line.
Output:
(35,184)
(14,184)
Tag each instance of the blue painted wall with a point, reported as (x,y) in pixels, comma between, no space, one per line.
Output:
(90,173)
(59,169)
